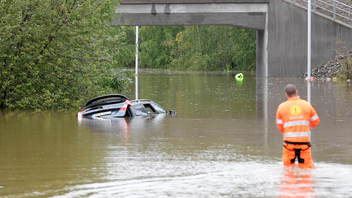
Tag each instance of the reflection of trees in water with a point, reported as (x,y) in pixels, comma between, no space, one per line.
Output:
(123,126)
(202,94)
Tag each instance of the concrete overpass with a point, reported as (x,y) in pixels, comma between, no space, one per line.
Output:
(281,28)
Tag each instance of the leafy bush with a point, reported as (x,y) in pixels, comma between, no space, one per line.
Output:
(200,48)
(344,57)
(117,80)
(53,53)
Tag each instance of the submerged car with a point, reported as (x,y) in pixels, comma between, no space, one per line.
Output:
(115,105)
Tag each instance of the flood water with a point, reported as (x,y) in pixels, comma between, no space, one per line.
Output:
(222,142)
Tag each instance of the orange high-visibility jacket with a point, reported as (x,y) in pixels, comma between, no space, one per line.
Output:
(294,118)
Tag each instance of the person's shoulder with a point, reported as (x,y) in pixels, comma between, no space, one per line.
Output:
(305,104)
(303,101)
(283,104)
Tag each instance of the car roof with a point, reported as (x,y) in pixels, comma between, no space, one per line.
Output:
(111,96)
(142,101)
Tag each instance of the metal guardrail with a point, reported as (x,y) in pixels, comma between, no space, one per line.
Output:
(334,9)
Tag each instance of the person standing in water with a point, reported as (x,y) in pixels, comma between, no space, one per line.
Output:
(294,118)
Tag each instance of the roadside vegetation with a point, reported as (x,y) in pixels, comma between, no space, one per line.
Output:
(58,54)
(339,67)
(344,57)
(197,48)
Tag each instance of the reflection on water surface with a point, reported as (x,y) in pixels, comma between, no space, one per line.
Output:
(222,142)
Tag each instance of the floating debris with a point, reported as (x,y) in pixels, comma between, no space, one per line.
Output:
(239,77)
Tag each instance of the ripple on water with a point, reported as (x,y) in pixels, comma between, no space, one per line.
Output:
(221,179)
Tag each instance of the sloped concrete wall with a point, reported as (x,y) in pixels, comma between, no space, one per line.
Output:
(287,39)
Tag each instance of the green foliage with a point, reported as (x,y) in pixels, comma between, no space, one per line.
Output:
(200,48)
(54,52)
(156,43)
(344,57)
(117,80)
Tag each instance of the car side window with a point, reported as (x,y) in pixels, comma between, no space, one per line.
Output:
(140,110)
(149,108)
(158,108)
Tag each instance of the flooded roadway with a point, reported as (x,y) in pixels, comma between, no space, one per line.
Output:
(223,142)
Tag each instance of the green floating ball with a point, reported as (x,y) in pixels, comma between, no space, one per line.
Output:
(239,77)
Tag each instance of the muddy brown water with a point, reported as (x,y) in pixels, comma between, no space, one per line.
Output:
(223,142)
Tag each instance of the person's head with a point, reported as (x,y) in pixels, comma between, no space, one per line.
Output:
(291,91)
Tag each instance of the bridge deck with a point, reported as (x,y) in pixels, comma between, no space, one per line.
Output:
(190,1)
(251,16)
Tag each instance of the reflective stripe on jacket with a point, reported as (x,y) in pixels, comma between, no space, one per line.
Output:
(294,118)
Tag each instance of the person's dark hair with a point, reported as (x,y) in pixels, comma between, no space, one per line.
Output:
(290,90)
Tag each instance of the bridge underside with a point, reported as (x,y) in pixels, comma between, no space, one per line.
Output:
(255,21)
(249,16)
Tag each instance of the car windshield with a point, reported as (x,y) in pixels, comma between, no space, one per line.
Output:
(158,108)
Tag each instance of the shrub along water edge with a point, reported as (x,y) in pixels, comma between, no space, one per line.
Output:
(55,54)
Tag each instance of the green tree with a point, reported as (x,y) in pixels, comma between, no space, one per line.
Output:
(54,53)
(156,44)
(214,48)
(243,52)
(200,48)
